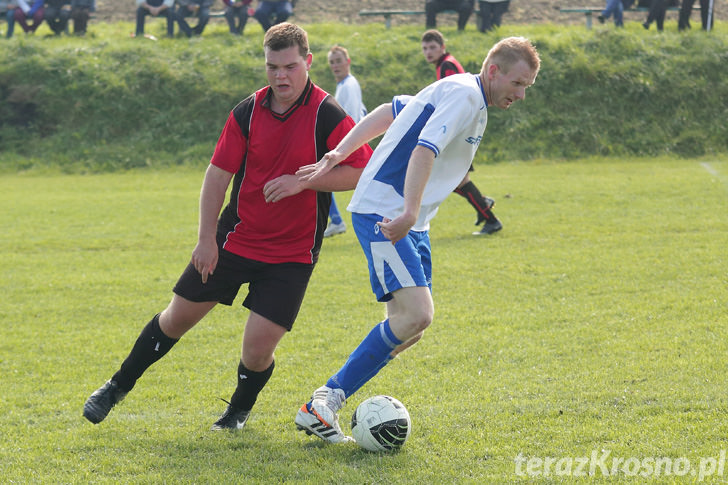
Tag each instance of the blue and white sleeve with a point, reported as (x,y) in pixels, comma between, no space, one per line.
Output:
(399,102)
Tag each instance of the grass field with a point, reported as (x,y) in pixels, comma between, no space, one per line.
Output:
(594,323)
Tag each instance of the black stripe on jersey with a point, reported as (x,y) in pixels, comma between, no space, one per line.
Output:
(243,114)
(329,115)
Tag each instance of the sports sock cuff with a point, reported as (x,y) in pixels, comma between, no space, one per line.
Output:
(387,335)
(250,383)
(160,335)
(151,345)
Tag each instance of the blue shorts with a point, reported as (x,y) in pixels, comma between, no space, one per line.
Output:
(405,264)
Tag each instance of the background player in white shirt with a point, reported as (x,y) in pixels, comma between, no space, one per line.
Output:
(428,146)
(348,95)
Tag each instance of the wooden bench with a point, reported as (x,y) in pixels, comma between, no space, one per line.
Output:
(588,11)
(387,14)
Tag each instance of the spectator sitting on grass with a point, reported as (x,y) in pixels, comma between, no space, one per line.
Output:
(463,7)
(236,14)
(615,8)
(80,13)
(491,13)
(706,15)
(268,9)
(56,14)
(25,10)
(193,8)
(155,8)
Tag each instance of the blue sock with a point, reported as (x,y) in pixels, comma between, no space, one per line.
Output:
(334,212)
(366,378)
(367,359)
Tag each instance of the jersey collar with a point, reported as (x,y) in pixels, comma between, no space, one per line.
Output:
(482,91)
(303,99)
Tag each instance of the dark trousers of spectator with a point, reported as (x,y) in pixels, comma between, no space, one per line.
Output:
(463,7)
(491,14)
(142,13)
(656,14)
(57,19)
(80,16)
(203,15)
(21,19)
(687,8)
(266,11)
(236,19)
(10,18)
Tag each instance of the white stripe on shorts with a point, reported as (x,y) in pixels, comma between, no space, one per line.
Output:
(384,251)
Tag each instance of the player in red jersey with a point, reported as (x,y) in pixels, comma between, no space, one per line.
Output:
(269,234)
(433,47)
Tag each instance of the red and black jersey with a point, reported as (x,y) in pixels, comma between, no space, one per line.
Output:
(447,65)
(258,145)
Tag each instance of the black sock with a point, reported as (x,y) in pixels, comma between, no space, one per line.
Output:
(151,346)
(474,197)
(250,383)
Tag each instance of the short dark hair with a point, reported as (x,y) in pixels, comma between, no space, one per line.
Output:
(433,35)
(285,35)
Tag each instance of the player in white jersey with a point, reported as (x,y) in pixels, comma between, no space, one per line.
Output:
(429,144)
(348,95)
(448,119)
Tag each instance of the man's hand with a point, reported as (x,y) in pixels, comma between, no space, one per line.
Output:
(308,173)
(282,187)
(204,258)
(397,228)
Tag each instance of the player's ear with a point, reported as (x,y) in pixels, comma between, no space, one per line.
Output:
(492,70)
(309,60)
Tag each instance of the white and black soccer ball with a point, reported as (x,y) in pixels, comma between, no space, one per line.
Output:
(381,423)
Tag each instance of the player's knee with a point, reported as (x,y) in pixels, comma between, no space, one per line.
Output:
(421,318)
(257,361)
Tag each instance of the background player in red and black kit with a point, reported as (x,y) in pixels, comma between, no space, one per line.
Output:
(433,47)
(269,234)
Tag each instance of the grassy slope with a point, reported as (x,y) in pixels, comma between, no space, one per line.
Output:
(110,102)
(594,321)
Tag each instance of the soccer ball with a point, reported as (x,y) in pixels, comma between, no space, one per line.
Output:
(381,423)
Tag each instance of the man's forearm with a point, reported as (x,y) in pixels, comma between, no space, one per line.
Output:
(370,127)
(339,179)
(212,197)
(418,173)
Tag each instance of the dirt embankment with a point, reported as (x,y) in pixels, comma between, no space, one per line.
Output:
(520,11)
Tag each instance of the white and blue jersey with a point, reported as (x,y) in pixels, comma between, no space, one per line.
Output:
(449,118)
(348,95)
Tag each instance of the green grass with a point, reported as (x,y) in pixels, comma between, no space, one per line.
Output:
(594,321)
(109,102)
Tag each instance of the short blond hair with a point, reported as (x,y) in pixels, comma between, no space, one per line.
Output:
(507,52)
(338,48)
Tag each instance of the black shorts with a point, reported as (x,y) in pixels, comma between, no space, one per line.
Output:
(275,291)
